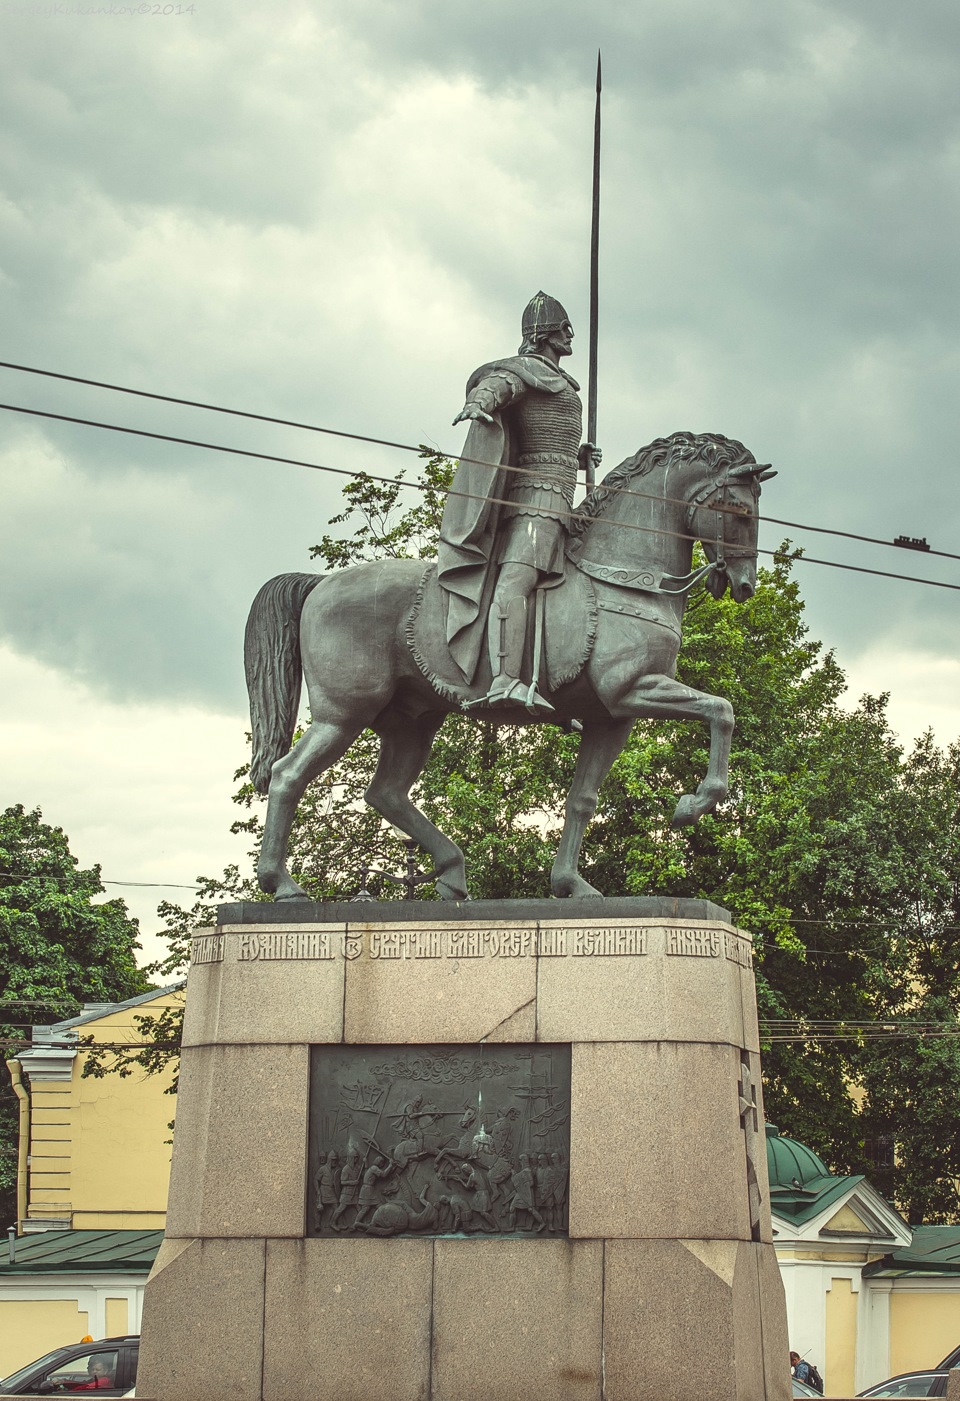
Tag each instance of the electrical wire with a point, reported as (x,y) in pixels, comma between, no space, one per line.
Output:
(406,447)
(62,880)
(466,495)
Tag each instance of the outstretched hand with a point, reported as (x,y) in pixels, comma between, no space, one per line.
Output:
(472,411)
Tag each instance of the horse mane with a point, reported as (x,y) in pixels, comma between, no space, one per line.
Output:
(719,454)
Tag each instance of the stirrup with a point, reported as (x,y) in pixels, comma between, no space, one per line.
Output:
(535,703)
(517,693)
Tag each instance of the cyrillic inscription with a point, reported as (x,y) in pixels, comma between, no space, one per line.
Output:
(609,942)
(738,950)
(552,943)
(206,948)
(694,943)
(498,943)
(401,943)
(406,943)
(289,944)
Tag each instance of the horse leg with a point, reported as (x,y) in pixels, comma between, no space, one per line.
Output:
(322,745)
(662,698)
(404,749)
(599,746)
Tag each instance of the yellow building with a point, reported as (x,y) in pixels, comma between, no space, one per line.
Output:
(867,1295)
(94,1162)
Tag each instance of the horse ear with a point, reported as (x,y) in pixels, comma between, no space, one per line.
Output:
(760,471)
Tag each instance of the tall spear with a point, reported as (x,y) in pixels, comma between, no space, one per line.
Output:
(594,289)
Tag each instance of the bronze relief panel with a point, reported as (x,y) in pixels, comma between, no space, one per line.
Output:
(439,1140)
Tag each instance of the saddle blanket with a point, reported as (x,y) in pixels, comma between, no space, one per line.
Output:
(569,631)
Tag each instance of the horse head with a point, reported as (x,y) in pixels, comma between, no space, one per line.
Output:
(722,510)
(674,492)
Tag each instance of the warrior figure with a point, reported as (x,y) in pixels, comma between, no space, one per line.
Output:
(522,1199)
(368,1201)
(525,413)
(350,1175)
(327,1183)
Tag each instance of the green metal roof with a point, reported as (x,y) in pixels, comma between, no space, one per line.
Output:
(801,1185)
(790,1163)
(74,1252)
(803,1204)
(933,1250)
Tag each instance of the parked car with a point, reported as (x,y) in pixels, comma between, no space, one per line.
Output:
(929,1383)
(802,1388)
(77,1368)
(951,1360)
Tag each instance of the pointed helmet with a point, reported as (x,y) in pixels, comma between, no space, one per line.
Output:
(541,315)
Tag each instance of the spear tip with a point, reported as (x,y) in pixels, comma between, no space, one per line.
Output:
(598,70)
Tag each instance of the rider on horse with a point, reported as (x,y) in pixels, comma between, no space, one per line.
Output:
(504,532)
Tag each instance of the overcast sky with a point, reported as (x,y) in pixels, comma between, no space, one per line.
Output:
(333,213)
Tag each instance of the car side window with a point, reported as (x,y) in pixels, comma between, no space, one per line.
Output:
(924,1385)
(95,1371)
(131,1356)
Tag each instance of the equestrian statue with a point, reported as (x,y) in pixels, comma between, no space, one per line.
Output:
(535,612)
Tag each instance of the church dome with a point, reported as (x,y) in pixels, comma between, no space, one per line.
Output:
(791,1164)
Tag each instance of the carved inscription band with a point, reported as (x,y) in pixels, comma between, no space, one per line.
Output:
(403,943)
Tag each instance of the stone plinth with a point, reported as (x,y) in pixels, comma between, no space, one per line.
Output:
(652,1275)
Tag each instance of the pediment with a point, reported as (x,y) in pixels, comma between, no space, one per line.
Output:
(859,1214)
(847,1221)
(862,1214)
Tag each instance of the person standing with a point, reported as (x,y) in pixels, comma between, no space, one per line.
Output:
(805,1372)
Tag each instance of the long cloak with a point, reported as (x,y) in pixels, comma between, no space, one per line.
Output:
(472,519)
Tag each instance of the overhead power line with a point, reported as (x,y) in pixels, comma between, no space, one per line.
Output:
(62,880)
(466,495)
(402,447)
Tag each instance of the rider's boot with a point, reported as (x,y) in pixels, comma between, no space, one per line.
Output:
(506,635)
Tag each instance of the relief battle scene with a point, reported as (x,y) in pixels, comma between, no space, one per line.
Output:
(439,1140)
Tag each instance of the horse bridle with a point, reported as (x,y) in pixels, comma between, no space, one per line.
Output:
(721,510)
(646,582)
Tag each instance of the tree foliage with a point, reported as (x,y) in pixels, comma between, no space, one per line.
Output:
(59,947)
(837,850)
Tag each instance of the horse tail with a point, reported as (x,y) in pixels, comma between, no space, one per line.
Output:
(271,659)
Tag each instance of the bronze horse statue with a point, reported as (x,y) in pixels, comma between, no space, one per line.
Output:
(369,641)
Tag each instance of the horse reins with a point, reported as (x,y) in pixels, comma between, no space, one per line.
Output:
(703,498)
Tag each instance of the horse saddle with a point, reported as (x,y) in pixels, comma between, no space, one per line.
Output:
(567,629)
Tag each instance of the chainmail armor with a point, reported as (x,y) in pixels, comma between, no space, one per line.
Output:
(548,428)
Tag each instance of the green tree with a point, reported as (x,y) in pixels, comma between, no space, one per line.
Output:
(836,850)
(58,949)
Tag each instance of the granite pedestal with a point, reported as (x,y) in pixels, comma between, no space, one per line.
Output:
(652,1276)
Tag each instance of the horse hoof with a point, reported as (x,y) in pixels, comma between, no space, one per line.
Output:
(572,888)
(287,889)
(446,891)
(686,813)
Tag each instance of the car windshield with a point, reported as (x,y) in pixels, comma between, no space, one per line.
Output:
(14,1379)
